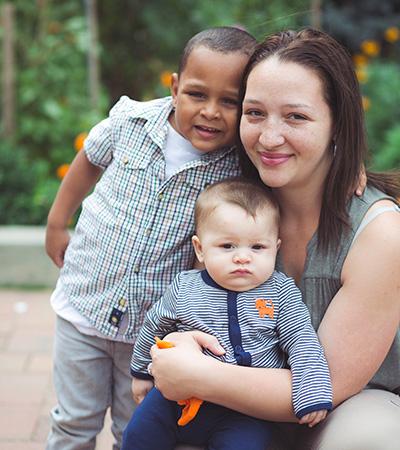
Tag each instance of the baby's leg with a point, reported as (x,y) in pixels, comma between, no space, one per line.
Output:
(153,425)
(219,428)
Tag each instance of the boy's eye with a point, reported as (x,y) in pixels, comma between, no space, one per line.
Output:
(196,94)
(230,101)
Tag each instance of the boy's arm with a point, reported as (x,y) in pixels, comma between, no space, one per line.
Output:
(80,178)
(160,320)
(311,384)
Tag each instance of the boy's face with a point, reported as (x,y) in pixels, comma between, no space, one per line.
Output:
(205,97)
(238,251)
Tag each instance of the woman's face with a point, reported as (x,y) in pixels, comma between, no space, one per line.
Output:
(286,125)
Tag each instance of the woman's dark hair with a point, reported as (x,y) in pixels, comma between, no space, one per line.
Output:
(321,53)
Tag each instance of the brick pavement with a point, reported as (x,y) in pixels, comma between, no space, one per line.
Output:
(26,392)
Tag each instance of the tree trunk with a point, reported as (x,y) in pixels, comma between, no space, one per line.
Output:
(93,57)
(316,14)
(8,75)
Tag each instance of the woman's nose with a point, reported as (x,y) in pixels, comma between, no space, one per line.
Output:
(271,136)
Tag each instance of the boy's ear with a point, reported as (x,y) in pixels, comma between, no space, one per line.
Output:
(174,87)
(197,248)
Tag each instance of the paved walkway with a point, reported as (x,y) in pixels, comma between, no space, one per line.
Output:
(26,392)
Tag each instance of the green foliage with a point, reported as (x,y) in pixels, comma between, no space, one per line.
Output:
(26,190)
(383,115)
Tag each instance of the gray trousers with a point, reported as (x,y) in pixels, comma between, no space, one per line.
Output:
(90,375)
(368,421)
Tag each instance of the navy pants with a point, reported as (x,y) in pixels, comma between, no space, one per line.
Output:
(153,426)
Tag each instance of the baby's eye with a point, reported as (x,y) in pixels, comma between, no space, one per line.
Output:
(227,246)
(258,247)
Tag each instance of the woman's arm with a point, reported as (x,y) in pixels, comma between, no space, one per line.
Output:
(361,321)
(184,371)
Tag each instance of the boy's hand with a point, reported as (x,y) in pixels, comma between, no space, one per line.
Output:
(313,418)
(140,389)
(57,240)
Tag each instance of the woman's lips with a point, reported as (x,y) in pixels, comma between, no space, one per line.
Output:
(274,159)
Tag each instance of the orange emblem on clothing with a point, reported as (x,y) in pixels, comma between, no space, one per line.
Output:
(265,307)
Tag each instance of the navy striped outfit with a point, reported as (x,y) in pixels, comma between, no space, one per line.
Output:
(268,326)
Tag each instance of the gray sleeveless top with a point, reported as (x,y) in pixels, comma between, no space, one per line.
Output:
(321,281)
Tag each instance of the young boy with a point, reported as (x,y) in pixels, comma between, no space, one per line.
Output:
(134,231)
(256,313)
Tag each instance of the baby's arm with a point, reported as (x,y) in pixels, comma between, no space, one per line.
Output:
(160,320)
(313,418)
(140,388)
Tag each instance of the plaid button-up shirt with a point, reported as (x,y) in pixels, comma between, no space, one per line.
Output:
(134,232)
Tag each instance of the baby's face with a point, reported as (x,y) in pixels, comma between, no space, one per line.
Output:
(238,251)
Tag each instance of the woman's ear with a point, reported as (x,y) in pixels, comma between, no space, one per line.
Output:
(174,88)
(197,248)
(278,244)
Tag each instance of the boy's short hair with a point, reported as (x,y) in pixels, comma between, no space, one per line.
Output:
(239,191)
(219,39)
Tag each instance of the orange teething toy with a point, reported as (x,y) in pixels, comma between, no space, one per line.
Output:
(190,405)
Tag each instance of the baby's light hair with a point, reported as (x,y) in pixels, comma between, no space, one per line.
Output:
(251,197)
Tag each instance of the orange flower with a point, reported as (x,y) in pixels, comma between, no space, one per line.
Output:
(361,76)
(366,103)
(392,34)
(62,170)
(79,141)
(370,48)
(360,60)
(166,78)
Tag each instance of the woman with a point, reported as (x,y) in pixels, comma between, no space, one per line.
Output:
(303,132)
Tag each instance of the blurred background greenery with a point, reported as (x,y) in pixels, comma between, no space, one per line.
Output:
(72,60)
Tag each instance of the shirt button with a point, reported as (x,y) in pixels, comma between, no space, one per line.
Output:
(160,196)
(148,231)
(125,160)
(136,268)
(238,348)
(122,302)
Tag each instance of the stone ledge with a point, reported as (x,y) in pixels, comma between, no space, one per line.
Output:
(24,261)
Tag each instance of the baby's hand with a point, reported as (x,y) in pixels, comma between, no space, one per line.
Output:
(313,418)
(140,389)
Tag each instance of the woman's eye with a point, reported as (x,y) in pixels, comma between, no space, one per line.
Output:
(252,113)
(296,116)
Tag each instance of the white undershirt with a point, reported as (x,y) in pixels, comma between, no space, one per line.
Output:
(178,151)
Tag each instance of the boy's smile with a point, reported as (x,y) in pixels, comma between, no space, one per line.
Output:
(205,97)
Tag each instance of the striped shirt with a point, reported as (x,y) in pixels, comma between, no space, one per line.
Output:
(268,326)
(134,232)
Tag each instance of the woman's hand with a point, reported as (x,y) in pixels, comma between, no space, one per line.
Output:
(177,371)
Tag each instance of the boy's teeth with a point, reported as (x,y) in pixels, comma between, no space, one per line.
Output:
(208,129)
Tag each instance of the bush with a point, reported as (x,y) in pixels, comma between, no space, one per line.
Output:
(27,192)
